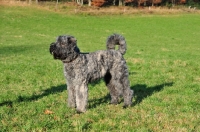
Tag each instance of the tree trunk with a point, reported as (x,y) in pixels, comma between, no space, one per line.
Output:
(121,2)
(57,5)
(114,2)
(80,2)
(77,1)
(89,2)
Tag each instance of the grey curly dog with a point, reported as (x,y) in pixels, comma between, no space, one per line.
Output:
(83,68)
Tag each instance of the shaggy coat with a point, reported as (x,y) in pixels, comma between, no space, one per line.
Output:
(81,69)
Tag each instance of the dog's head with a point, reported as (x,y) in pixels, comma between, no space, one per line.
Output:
(64,48)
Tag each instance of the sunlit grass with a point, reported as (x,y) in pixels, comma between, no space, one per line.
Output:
(163,58)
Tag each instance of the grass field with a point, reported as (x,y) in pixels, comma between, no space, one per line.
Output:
(163,57)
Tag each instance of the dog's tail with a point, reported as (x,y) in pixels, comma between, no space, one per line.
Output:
(116,39)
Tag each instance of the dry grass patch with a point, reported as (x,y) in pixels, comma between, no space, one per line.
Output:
(73,8)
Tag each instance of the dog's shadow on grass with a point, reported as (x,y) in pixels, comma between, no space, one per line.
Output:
(33,97)
(142,91)
(52,90)
(93,103)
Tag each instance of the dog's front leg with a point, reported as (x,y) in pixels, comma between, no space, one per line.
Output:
(71,96)
(81,97)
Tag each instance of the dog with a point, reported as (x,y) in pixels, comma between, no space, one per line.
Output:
(83,68)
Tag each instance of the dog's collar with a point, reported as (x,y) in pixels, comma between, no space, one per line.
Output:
(65,61)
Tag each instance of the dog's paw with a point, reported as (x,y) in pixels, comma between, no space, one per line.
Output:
(126,106)
(79,111)
(114,102)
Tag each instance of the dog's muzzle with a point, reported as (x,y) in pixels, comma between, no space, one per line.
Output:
(52,48)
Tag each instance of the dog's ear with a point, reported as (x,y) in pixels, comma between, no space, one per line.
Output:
(77,50)
(71,39)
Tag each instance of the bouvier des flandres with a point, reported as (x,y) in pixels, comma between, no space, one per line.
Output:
(83,68)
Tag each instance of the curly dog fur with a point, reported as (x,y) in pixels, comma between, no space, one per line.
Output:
(81,69)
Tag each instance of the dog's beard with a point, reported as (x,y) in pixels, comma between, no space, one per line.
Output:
(57,53)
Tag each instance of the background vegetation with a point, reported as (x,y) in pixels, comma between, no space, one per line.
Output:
(163,58)
(131,3)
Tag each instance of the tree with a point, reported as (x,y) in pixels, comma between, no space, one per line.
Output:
(57,5)
(89,2)
(121,2)
(80,2)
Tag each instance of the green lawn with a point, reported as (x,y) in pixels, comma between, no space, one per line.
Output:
(163,57)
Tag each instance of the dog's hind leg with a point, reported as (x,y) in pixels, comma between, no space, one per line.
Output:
(127,92)
(113,87)
(118,84)
(81,97)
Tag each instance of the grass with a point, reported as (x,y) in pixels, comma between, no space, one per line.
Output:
(163,58)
